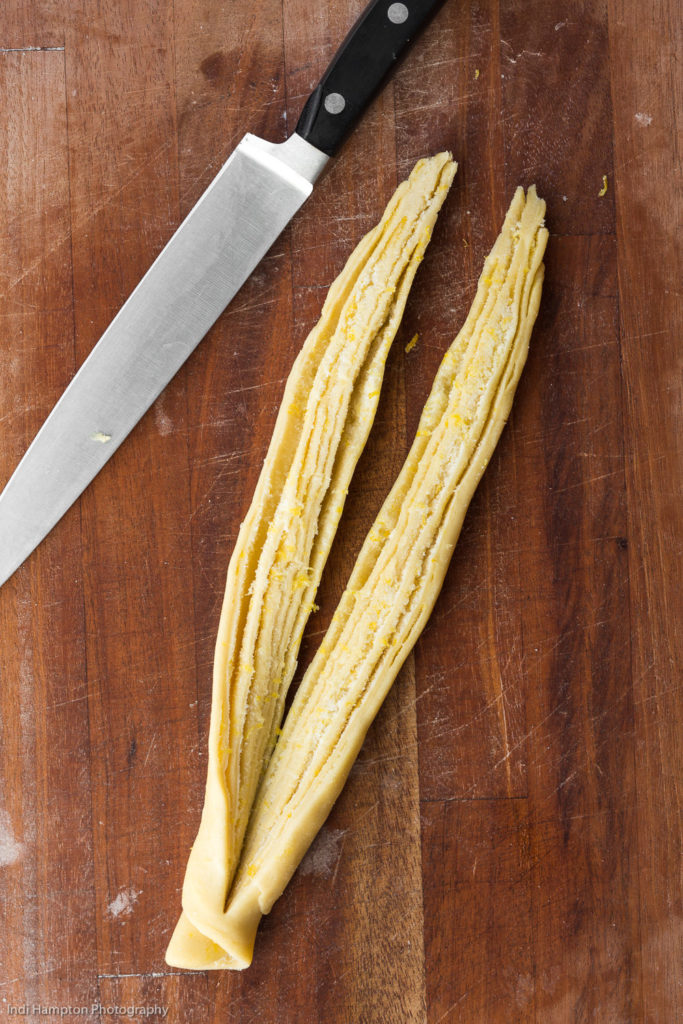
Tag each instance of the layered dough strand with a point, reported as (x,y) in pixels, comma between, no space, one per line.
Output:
(397,576)
(327,410)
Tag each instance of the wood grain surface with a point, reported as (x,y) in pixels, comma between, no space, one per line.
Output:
(507,848)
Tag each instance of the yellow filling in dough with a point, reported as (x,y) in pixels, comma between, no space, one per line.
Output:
(324,420)
(397,576)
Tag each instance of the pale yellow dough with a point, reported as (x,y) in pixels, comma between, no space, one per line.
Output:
(324,420)
(397,576)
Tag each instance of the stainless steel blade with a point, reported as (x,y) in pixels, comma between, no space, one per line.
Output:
(215,249)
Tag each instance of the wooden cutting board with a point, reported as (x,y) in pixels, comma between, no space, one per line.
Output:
(506,847)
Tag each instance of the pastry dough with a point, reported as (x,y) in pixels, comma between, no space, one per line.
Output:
(324,420)
(396,578)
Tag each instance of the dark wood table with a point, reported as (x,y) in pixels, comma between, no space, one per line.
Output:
(506,848)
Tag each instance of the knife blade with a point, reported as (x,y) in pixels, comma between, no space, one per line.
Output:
(226,234)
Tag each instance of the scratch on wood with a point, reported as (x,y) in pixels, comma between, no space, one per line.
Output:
(152,974)
(151,747)
(29,49)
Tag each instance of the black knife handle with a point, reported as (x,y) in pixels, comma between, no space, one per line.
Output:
(384,30)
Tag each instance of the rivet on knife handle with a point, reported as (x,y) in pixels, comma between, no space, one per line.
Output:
(378,39)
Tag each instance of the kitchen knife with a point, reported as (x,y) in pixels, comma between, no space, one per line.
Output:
(213,252)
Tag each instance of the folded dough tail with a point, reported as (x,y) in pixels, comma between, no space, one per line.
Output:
(397,576)
(327,410)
